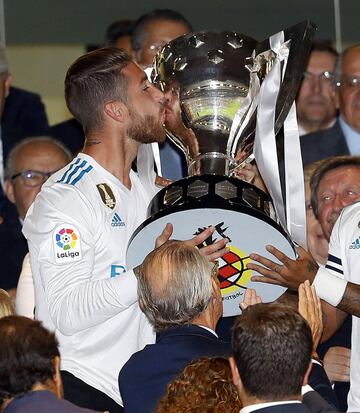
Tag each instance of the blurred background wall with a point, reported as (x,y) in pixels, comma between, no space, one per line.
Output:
(44,36)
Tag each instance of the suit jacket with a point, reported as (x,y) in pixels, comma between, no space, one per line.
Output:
(24,115)
(323,144)
(70,133)
(316,404)
(13,245)
(42,401)
(143,379)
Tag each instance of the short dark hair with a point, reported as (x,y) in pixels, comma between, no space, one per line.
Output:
(324,45)
(94,79)
(27,352)
(324,167)
(272,346)
(139,32)
(118,29)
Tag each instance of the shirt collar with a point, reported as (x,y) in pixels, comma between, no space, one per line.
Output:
(352,137)
(254,407)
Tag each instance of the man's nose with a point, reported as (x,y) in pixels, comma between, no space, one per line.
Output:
(158,95)
(339,203)
(316,84)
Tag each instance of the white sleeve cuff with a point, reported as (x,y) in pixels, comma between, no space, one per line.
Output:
(329,287)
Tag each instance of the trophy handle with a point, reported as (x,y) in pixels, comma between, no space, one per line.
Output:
(301,36)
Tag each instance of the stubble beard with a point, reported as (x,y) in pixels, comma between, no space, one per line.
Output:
(146,129)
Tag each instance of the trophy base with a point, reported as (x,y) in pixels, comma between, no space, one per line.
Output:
(248,228)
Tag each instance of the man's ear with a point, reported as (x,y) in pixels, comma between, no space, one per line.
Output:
(307,374)
(116,110)
(7,85)
(57,378)
(235,372)
(9,190)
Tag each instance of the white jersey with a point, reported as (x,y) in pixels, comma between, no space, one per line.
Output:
(78,229)
(344,262)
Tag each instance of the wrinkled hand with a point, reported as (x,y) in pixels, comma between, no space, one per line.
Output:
(250,298)
(291,274)
(337,363)
(310,309)
(211,252)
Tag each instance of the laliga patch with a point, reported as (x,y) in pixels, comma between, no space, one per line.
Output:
(107,195)
(67,244)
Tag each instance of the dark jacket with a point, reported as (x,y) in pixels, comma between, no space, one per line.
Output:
(143,379)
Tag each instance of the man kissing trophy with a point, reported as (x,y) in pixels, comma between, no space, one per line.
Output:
(235,95)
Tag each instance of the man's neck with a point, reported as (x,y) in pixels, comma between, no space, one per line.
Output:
(113,153)
(206,319)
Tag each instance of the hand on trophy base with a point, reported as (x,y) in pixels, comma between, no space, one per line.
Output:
(212,252)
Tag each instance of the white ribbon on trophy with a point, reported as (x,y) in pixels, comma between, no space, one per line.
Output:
(265,150)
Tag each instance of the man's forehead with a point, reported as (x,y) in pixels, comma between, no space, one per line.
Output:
(134,73)
(351,61)
(36,150)
(342,174)
(322,59)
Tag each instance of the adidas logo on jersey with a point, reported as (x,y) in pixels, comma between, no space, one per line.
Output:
(355,245)
(116,221)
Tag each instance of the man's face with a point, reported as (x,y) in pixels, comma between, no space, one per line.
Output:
(337,189)
(36,156)
(317,243)
(146,107)
(315,102)
(349,91)
(5,81)
(158,34)
(124,42)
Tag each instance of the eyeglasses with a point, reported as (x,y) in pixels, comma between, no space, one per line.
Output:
(33,178)
(349,82)
(325,77)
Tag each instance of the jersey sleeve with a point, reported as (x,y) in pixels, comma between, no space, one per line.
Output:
(61,228)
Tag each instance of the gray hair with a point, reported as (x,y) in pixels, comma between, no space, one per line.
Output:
(323,168)
(174,285)
(10,166)
(4,67)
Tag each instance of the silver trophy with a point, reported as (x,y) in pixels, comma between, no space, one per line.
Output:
(214,81)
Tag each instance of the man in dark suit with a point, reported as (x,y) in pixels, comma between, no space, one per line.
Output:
(272,346)
(30,383)
(180,294)
(343,138)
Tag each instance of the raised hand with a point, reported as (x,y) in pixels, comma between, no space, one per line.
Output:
(310,309)
(250,298)
(291,274)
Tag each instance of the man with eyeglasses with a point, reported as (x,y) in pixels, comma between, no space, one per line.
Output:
(315,104)
(343,138)
(151,32)
(28,166)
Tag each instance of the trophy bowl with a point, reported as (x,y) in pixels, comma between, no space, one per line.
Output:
(211,83)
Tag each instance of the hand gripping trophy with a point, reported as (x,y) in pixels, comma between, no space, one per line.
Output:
(233,96)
